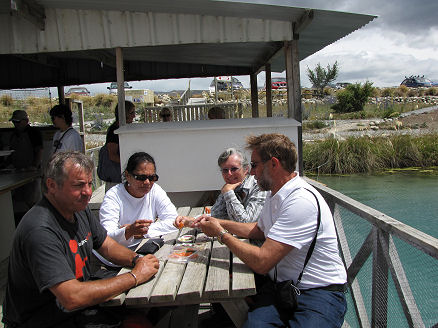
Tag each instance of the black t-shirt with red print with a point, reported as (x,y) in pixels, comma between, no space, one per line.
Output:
(47,250)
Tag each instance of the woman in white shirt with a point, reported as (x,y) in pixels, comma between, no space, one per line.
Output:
(129,210)
(66,138)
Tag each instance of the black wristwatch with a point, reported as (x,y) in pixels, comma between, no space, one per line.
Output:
(134,260)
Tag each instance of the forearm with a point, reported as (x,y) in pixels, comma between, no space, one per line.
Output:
(89,293)
(249,254)
(116,253)
(241,229)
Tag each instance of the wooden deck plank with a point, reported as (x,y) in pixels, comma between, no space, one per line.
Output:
(218,279)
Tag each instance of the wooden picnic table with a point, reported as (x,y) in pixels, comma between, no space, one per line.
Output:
(214,276)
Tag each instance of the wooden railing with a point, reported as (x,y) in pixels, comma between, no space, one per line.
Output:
(193,112)
(380,243)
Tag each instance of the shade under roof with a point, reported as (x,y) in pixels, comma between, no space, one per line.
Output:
(73,42)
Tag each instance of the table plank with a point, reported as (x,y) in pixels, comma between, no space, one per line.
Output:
(190,290)
(195,211)
(141,294)
(243,283)
(218,279)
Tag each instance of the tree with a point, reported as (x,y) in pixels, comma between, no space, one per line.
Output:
(321,77)
(353,98)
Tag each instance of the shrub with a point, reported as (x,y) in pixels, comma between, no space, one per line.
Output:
(353,98)
(387,92)
(312,125)
(401,91)
(6,100)
(431,92)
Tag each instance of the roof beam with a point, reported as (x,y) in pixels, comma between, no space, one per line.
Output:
(29,10)
(303,21)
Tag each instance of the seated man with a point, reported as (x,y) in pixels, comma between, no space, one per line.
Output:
(48,277)
(240,199)
(288,224)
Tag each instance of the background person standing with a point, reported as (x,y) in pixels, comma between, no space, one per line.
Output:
(66,138)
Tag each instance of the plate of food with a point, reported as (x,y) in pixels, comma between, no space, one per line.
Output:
(186,239)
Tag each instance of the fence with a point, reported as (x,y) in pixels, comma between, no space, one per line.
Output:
(193,112)
(397,261)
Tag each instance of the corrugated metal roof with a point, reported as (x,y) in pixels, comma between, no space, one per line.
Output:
(160,39)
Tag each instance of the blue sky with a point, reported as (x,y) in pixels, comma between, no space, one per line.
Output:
(402,41)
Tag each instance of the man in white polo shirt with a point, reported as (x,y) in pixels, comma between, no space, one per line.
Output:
(288,225)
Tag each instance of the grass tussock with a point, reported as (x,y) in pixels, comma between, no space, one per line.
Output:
(366,155)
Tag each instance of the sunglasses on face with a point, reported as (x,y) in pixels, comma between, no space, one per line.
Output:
(233,169)
(255,164)
(143,177)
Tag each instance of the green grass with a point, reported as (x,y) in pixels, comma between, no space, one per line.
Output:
(366,155)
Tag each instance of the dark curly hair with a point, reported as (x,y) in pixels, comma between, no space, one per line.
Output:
(62,111)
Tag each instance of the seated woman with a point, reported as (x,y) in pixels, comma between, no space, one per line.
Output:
(129,209)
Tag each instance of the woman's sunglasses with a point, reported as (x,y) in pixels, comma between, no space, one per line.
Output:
(142,177)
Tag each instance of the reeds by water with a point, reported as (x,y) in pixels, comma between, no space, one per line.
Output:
(366,154)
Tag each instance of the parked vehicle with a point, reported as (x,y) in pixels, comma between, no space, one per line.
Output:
(113,87)
(224,83)
(81,91)
(278,83)
(416,82)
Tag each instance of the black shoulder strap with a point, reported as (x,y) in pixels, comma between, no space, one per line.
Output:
(58,144)
(312,245)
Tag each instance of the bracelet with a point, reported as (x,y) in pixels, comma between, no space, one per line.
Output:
(135,277)
(221,234)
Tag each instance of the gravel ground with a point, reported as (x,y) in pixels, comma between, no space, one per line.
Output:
(422,121)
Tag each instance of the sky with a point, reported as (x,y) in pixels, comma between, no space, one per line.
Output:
(402,41)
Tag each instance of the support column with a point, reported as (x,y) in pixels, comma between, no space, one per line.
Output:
(254,95)
(268,90)
(120,86)
(61,95)
(294,92)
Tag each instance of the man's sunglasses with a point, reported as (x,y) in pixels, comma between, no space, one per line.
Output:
(142,177)
(233,169)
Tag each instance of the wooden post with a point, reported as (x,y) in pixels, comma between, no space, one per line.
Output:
(254,95)
(294,92)
(81,122)
(268,90)
(120,86)
(61,95)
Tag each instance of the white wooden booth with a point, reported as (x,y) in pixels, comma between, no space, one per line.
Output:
(186,152)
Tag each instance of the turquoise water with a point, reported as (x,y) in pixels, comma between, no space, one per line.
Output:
(413,200)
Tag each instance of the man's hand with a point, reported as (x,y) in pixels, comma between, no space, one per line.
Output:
(183,221)
(145,268)
(137,229)
(230,186)
(209,225)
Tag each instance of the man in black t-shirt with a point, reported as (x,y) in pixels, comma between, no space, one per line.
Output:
(49,270)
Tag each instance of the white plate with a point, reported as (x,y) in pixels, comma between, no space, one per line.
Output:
(186,239)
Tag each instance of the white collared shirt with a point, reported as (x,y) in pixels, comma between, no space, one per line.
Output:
(290,217)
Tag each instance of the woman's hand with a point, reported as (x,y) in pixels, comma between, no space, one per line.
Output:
(137,229)
(183,221)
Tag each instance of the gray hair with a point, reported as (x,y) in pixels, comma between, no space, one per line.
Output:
(55,168)
(231,151)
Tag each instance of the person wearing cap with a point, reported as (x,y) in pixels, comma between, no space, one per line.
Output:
(166,115)
(66,138)
(27,145)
